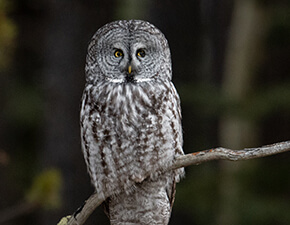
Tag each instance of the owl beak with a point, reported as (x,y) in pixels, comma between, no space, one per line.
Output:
(129,69)
(130,75)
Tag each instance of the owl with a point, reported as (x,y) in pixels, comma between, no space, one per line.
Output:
(131,122)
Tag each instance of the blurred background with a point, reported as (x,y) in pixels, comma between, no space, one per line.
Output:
(230,67)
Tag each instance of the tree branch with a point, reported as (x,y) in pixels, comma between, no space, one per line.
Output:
(81,215)
(229,154)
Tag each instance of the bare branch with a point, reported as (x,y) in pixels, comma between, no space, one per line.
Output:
(82,214)
(195,158)
(231,155)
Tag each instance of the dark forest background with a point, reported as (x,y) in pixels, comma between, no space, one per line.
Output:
(230,67)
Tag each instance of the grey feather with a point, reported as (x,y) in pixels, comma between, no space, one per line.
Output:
(131,122)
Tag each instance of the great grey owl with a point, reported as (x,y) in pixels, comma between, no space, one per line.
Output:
(131,122)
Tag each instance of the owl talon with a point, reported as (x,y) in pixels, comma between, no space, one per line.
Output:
(137,179)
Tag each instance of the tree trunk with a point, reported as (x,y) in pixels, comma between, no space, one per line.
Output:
(237,131)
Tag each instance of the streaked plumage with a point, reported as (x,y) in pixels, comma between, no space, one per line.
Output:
(131,122)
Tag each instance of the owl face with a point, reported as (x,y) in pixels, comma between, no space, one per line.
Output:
(128,52)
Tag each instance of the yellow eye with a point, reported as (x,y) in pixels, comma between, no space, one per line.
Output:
(118,53)
(141,53)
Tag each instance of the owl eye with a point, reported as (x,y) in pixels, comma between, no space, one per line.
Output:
(118,53)
(141,53)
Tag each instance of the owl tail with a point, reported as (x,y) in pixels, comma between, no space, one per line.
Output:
(149,203)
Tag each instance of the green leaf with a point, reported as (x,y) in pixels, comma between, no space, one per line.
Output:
(45,190)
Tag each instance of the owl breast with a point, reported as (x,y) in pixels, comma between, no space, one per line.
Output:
(129,131)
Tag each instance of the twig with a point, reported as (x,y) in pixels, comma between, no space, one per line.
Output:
(231,155)
(195,158)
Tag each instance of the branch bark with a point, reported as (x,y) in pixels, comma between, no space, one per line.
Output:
(196,158)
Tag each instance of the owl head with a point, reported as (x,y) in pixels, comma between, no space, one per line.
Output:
(128,51)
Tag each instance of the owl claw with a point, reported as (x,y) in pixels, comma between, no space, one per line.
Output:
(137,179)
